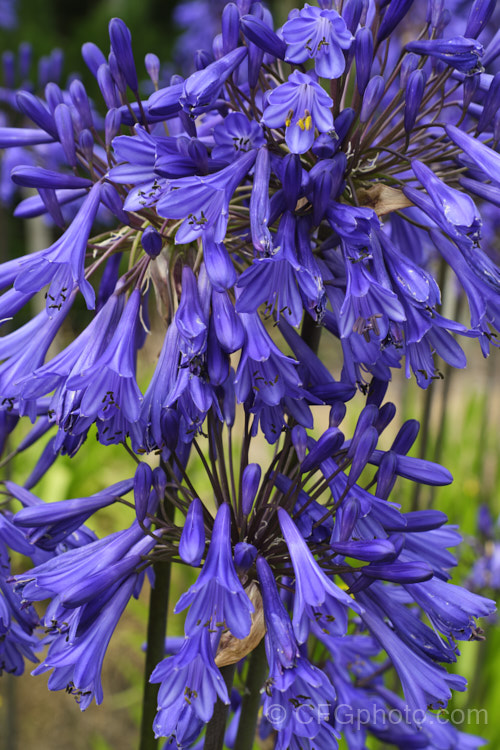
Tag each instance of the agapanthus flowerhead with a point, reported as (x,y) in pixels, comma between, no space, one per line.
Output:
(321,35)
(301,105)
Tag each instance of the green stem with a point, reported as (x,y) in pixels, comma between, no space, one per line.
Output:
(424,440)
(311,333)
(216,728)
(155,650)
(257,671)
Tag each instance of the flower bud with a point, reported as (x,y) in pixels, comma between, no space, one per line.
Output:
(151,242)
(56,59)
(479,15)
(458,52)
(413,98)
(406,437)
(366,419)
(364,450)
(64,125)
(152,65)
(258,32)
(43,71)
(395,12)
(86,143)
(107,86)
(299,440)
(39,177)
(118,77)
(409,64)
(343,123)
(230,27)
(491,104)
(9,69)
(226,322)
(25,59)
(373,94)
(112,123)
(249,486)
(202,58)
(93,57)
(159,482)
(364,58)
(121,44)
(337,413)
(325,145)
(329,442)
(218,264)
(169,427)
(192,541)
(259,203)
(434,13)
(217,359)
(352,14)
(217,47)
(229,400)
(349,516)
(492,50)
(386,414)
(33,108)
(143,479)
(202,88)
(485,524)
(53,95)
(244,555)
(81,101)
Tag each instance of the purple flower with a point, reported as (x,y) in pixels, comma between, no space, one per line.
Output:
(457,207)
(424,682)
(191,679)
(320,35)
(63,264)
(236,133)
(301,105)
(317,598)
(203,202)
(108,388)
(77,659)
(217,597)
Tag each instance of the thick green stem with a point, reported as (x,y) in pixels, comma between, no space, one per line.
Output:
(424,440)
(155,649)
(311,333)
(257,671)
(216,728)
(157,627)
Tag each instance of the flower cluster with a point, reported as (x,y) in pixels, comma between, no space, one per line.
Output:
(302,182)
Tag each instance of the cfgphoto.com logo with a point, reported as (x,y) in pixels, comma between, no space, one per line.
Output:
(346,715)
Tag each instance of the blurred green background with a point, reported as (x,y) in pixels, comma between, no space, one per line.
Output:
(460,416)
